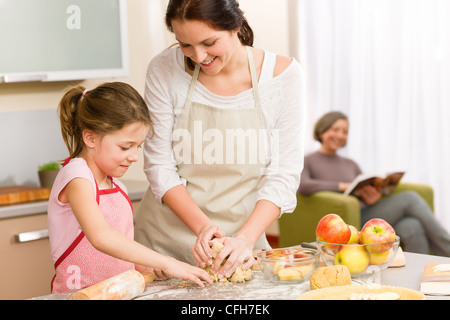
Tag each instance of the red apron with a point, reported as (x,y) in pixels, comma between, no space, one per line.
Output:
(81,265)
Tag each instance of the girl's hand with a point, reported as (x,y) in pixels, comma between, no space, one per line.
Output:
(238,252)
(158,273)
(202,251)
(161,275)
(178,269)
(370,195)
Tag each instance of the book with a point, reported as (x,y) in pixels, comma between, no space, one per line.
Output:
(436,279)
(386,183)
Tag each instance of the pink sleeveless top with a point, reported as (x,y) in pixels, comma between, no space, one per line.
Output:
(77,263)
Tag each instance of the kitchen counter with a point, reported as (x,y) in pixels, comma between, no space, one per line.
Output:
(136,190)
(260,288)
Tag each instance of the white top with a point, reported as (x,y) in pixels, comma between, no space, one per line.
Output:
(282,100)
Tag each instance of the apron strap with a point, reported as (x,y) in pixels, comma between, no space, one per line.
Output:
(187,105)
(192,86)
(253,74)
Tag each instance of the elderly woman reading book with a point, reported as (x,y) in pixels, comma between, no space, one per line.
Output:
(407,212)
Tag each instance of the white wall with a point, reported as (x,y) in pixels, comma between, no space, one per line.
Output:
(147,37)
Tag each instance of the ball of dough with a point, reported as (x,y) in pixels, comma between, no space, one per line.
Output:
(238,276)
(330,276)
(216,247)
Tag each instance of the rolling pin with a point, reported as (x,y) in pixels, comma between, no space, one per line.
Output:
(124,286)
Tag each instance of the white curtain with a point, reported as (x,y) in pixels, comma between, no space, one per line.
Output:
(386,64)
(154,13)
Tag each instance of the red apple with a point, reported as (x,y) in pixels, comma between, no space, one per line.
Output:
(377,231)
(354,238)
(354,256)
(300,254)
(331,228)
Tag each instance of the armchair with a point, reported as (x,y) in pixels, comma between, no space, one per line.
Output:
(300,225)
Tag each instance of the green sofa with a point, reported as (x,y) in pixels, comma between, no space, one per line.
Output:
(300,225)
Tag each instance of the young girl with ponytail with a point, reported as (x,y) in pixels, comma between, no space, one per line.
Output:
(90,218)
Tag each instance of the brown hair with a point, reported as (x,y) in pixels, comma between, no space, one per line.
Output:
(103,110)
(219,14)
(325,122)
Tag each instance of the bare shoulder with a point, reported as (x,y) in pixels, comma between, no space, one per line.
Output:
(281,64)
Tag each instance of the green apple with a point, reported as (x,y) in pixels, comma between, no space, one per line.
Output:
(378,258)
(354,237)
(354,256)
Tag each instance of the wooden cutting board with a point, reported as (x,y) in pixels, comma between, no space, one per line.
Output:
(16,194)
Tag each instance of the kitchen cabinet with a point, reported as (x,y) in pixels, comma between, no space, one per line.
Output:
(26,268)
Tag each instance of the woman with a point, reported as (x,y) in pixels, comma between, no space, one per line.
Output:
(224,113)
(407,212)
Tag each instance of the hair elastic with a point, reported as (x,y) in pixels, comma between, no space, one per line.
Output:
(84,92)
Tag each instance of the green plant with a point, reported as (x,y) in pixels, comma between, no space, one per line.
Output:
(54,165)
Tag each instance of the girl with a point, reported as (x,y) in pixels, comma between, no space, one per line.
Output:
(90,218)
(217,104)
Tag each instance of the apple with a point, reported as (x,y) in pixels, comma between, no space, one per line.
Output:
(275,254)
(300,254)
(289,274)
(331,228)
(354,256)
(377,231)
(378,258)
(277,267)
(354,237)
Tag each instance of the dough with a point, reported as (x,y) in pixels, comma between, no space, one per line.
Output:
(238,276)
(256,266)
(330,276)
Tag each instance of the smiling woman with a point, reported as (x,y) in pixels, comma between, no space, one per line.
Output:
(331,131)
(223,15)
(225,113)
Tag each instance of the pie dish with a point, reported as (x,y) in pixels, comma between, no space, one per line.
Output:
(362,292)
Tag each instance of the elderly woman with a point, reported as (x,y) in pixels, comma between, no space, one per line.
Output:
(407,212)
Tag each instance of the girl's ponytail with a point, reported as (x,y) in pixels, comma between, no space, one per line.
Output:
(102,110)
(67,110)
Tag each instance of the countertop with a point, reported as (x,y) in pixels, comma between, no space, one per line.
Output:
(260,288)
(136,190)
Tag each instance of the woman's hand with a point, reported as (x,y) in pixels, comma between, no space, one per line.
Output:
(369,194)
(342,186)
(202,251)
(237,251)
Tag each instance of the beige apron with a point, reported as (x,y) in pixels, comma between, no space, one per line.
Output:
(220,168)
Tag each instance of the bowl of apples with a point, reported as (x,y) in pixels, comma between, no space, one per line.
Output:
(288,265)
(365,253)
